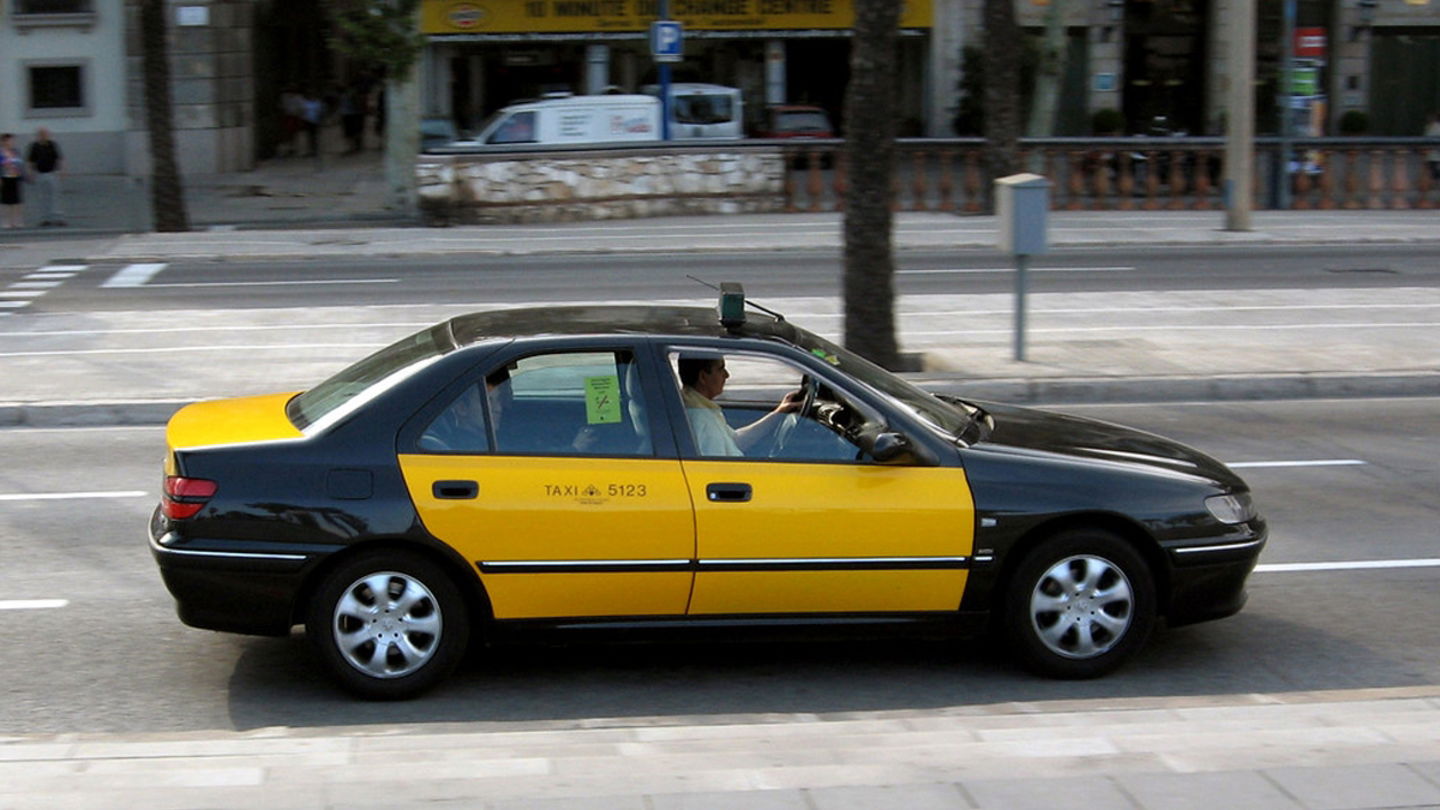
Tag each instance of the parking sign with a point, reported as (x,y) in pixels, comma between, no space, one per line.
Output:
(666,41)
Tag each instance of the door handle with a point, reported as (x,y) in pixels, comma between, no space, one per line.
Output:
(456,490)
(730,493)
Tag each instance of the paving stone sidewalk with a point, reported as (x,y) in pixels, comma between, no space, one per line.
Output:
(1376,748)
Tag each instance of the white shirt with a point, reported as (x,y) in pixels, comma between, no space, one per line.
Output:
(713,435)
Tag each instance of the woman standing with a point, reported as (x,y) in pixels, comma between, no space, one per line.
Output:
(12,171)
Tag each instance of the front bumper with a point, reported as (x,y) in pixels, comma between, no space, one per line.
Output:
(1207,580)
(217,587)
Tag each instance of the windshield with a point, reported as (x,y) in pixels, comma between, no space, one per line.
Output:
(950,419)
(390,364)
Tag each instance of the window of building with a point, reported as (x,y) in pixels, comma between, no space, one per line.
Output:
(56,89)
(53,6)
(27,14)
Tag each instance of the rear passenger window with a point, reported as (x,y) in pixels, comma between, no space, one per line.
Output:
(571,403)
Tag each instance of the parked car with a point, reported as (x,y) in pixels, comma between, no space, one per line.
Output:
(437,132)
(672,468)
(795,121)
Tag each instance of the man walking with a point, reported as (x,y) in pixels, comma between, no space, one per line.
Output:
(45,160)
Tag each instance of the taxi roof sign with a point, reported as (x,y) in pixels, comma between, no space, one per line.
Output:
(731,305)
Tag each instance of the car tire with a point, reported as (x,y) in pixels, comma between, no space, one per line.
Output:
(1079,605)
(388,625)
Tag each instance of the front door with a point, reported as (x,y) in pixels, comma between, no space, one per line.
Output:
(791,517)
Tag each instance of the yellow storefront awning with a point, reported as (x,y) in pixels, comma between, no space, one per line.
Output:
(439,17)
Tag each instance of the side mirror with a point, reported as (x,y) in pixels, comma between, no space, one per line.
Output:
(890,447)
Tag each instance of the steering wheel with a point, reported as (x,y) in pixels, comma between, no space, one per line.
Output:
(790,420)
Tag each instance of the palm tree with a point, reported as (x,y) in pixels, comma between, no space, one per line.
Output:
(1002,90)
(870,114)
(167,198)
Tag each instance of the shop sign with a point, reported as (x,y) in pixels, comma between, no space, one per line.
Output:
(591,16)
(1310,43)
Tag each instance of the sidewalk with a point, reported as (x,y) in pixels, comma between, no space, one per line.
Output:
(1377,748)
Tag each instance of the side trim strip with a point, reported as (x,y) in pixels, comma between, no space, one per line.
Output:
(232,555)
(701,566)
(1225,547)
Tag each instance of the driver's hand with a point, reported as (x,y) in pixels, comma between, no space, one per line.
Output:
(791,402)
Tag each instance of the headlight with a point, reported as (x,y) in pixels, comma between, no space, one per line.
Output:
(1236,508)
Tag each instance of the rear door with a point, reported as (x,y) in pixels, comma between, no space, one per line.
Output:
(562,496)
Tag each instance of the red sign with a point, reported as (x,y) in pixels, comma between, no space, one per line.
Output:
(1310,43)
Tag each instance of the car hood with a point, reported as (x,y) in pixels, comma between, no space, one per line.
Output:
(1036,433)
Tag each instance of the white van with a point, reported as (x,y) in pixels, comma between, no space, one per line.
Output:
(704,111)
(570,120)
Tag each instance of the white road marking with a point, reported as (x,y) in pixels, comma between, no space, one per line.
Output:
(134,275)
(962,270)
(276,283)
(1174,327)
(289,327)
(71,496)
(15,304)
(21,293)
(64,268)
(35,285)
(1319,462)
(283,347)
(1349,565)
(42,275)
(33,604)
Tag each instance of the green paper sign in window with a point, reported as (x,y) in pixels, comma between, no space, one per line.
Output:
(602,400)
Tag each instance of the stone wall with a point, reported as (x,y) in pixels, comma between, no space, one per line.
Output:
(626,183)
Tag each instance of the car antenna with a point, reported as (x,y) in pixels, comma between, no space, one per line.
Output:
(748,302)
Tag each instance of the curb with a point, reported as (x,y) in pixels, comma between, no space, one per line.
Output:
(1057,391)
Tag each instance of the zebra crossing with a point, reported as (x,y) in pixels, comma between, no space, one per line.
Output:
(31,287)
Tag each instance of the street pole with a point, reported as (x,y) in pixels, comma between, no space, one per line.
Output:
(1240,117)
(664,82)
(1022,285)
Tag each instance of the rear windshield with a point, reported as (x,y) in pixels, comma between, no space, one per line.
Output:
(802,122)
(381,369)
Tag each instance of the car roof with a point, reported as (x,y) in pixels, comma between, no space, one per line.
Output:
(695,322)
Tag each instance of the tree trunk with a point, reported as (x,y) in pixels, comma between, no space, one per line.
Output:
(167,197)
(1045,106)
(402,141)
(870,114)
(1002,92)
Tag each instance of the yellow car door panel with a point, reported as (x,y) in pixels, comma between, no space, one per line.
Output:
(785,537)
(558,537)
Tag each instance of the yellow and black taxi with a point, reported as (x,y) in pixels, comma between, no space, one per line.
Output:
(663,468)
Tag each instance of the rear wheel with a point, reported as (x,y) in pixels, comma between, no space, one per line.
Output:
(1079,605)
(388,625)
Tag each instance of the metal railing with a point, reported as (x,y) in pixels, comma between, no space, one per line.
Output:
(1135,173)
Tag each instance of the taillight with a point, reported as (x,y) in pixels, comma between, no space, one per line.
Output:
(184,497)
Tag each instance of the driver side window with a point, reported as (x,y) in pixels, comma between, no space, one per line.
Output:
(740,405)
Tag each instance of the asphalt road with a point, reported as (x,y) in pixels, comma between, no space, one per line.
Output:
(113,657)
(487,280)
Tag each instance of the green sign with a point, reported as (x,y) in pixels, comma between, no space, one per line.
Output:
(602,400)
(1304,81)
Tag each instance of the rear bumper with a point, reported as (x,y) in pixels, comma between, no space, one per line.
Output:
(218,588)
(1208,581)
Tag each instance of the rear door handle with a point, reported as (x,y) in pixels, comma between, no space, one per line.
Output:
(730,493)
(456,490)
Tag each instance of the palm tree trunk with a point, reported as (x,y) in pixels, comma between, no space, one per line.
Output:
(870,113)
(1002,92)
(167,198)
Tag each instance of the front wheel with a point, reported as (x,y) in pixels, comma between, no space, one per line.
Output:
(388,625)
(1079,605)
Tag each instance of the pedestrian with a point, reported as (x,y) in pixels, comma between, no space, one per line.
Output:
(46,163)
(352,118)
(1432,130)
(314,113)
(12,174)
(292,120)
